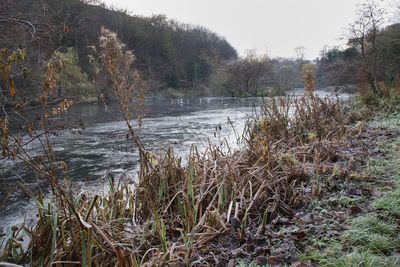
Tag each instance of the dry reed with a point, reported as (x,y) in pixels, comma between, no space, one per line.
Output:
(188,214)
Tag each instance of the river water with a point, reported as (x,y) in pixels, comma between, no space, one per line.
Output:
(102,148)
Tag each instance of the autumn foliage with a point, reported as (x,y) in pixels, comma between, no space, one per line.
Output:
(308,75)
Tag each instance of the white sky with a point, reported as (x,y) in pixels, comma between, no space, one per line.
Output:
(273,26)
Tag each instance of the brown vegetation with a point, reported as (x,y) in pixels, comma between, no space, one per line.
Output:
(217,207)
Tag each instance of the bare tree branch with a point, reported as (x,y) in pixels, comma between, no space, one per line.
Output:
(25,24)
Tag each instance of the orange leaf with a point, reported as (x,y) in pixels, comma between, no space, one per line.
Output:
(12,88)
(63,166)
(30,131)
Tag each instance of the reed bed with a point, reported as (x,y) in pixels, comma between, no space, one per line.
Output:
(198,213)
(217,207)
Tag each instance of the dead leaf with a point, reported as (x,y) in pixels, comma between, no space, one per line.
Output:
(235,223)
(273,261)
(299,235)
(63,166)
(341,216)
(355,210)
(12,88)
(262,260)
(30,130)
(284,221)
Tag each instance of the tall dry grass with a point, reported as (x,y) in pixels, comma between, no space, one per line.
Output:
(180,214)
(176,214)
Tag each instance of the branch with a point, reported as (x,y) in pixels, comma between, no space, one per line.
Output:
(27,24)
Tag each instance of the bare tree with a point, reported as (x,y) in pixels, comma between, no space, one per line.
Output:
(255,71)
(364,35)
(300,53)
(396,11)
(284,77)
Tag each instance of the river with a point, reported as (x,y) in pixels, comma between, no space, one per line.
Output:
(102,148)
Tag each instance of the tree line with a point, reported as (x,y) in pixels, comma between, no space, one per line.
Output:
(256,75)
(369,62)
(180,58)
(169,54)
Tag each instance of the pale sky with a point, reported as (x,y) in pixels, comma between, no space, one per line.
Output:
(273,26)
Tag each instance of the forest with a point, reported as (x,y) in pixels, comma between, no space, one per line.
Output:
(174,58)
(169,54)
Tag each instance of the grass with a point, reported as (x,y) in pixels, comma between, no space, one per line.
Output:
(342,201)
(296,153)
(176,213)
(365,244)
(372,224)
(333,257)
(390,203)
(372,234)
(362,258)
(372,238)
(300,150)
(322,252)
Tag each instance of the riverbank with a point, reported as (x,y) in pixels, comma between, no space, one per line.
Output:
(364,229)
(302,177)
(169,93)
(101,147)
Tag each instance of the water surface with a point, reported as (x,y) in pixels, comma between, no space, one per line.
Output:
(102,148)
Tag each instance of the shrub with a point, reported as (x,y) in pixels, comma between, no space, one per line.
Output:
(71,80)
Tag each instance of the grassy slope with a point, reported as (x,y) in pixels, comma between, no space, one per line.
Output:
(373,237)
(370,235)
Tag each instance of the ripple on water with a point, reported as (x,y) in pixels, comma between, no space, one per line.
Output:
(102,147)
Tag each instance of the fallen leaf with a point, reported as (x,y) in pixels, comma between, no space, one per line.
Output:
(235,223)
(272,260)
(341,216)
(299,235)
(12,88)
(355,210)
(262,260)
(284,221)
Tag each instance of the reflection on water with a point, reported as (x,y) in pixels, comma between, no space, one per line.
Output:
(102,147)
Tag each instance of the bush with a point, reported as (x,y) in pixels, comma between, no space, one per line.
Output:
(71,80)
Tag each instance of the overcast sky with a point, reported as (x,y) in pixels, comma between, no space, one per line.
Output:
(273,26)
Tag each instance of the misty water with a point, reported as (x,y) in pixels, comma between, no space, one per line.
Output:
(101,149)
